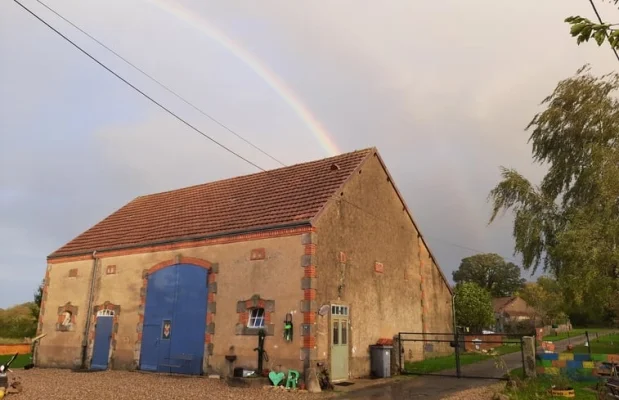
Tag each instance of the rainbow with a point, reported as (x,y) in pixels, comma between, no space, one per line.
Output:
(269,77)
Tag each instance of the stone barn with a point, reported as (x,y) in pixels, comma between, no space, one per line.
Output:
(177,281)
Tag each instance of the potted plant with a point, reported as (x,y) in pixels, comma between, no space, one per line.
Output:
(561,387)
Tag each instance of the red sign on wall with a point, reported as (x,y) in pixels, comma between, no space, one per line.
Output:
(378,267)
(257,254)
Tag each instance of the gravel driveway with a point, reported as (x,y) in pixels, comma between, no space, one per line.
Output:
(46,384)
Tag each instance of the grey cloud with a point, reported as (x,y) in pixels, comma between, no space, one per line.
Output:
(443,88)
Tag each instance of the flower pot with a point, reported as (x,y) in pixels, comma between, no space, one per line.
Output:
(563,392)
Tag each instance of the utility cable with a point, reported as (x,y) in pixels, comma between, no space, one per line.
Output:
(602,23)
(169,90)
(138,90)
(192,126)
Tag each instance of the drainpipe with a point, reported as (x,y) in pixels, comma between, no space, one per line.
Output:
(453,312)
(456,335)
(88,316)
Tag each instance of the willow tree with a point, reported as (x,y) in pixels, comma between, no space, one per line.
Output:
(568,225)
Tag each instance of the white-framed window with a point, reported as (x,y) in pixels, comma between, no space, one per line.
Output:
(339,310)
(256,318)
(105,313)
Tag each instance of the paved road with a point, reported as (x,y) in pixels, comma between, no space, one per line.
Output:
(437,387)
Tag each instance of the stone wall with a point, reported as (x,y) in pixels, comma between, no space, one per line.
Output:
(370,256)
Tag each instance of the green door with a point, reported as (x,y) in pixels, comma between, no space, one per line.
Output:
(339,342)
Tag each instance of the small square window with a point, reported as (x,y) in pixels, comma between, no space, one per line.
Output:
(256,318)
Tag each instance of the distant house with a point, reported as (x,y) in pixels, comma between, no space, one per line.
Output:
(509,311)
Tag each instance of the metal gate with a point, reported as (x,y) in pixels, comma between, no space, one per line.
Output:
(461,355)
(175,320)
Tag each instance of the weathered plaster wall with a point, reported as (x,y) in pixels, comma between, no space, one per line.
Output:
(62,349)
(277,277)
(375,228)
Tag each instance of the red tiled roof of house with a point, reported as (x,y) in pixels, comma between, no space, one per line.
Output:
(277,197)
(499,303)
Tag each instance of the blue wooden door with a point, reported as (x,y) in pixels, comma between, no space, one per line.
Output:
(175,320)
(190,319)
(103,338)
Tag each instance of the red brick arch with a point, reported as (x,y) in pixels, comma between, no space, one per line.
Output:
(180,260)
(213,269)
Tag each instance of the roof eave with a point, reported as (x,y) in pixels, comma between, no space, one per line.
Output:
(295,224)
(316,217)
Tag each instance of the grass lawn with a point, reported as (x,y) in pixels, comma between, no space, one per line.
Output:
(449,362)
(572,333)
(604,345)
(538,388)
(11,341)
(22,359)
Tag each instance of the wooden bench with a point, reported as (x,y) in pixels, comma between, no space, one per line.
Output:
(178,361)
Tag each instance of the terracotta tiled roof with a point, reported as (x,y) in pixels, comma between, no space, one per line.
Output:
(277,197)
(499,303)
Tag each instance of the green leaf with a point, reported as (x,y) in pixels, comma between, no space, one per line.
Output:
(599,37)
(577,28)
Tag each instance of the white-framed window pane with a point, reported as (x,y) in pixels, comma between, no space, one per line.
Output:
(256,318)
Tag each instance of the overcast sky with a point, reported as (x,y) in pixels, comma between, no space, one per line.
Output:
(442,88)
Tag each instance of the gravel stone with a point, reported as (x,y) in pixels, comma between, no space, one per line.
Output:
(48,384)
(478,393)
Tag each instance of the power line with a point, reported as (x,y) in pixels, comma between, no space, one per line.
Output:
(426,236)
(138,90)
(605,33)
(187,123)
(178,96)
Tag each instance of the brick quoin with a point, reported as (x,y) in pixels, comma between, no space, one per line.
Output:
(309,317)
(310,249)
(244,318)
(309,294)
(309,342)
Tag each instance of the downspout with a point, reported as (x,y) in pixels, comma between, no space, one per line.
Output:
(90,300)
(456,335)
(453,312)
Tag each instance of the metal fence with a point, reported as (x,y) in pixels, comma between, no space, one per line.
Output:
(461,355)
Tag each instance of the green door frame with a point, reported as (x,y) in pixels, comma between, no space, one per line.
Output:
(339,341)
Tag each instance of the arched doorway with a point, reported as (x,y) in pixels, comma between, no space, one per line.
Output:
(175,320)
